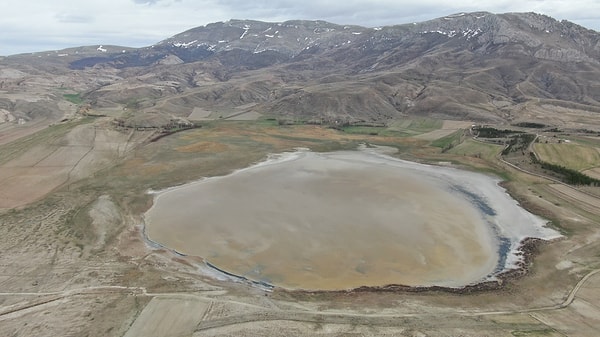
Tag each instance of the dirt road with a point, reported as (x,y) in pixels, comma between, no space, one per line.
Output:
(202,312)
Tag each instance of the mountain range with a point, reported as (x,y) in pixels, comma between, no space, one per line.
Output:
(477,66)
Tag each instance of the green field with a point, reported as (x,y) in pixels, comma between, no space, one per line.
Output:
(474,148)
(374,131)
(416,126)
(572,155)
(449,141)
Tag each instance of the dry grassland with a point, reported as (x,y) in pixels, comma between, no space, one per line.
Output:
(586,201)
(66,154)
(594,173)
(75,262)
(448,128)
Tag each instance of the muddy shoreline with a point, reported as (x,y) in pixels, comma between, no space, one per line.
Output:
(528,249)
(193,260)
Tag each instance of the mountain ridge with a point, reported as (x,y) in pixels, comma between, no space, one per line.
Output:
(478,66)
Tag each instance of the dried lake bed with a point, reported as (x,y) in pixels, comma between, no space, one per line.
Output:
(340,220)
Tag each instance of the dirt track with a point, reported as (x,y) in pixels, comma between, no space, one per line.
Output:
(583,200)
(172,314)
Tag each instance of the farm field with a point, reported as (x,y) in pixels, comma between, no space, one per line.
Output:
(569,154)
(478,149)
(64,155)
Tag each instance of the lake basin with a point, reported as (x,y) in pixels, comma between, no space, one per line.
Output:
(340,220)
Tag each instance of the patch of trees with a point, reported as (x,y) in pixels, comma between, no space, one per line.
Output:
(531,125)
(167,132)
(569,176)
(518,143)
(488,132)
(588,131)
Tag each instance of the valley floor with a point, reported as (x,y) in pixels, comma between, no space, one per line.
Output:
(74,261)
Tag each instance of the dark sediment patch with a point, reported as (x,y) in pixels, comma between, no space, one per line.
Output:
(504,243)
(476,200)
(243,279)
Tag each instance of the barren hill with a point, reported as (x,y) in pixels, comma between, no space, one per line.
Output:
(477,66)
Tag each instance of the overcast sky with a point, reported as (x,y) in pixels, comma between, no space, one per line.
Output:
(40,25)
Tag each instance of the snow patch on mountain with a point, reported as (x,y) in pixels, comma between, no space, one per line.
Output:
(246,29)
(184,44)
(469,33)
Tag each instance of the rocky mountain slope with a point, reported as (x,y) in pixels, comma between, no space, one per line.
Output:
(477,66)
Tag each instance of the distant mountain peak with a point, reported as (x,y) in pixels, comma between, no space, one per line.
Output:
(529,34)
(479,65)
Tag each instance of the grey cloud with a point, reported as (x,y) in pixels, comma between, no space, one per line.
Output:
(377,13)
(120,22)
(145,2)
(152,2)
(70,18)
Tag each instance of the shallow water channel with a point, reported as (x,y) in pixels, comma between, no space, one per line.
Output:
(341,220)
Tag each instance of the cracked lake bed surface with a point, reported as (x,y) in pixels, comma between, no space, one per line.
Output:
(340,220)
